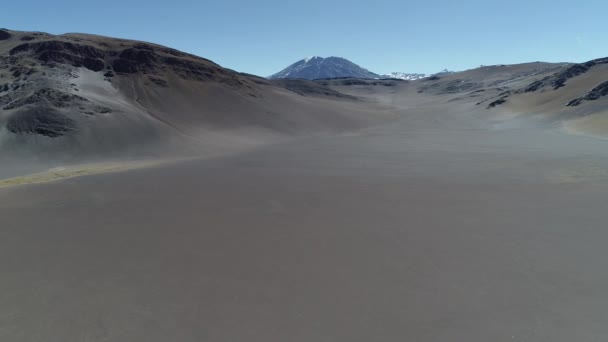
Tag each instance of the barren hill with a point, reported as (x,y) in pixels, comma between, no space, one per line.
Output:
(85,94)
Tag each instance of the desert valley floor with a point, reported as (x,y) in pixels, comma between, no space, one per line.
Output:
(438,226)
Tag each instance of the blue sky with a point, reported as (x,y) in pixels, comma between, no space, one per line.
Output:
(264,36)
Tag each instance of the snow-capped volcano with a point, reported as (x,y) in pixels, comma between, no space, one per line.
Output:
(316,67)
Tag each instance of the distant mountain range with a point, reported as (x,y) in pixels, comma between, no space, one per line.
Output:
(316,67)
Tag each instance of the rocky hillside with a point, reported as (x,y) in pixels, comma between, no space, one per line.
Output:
(84,93)
(40,76)
(580,80)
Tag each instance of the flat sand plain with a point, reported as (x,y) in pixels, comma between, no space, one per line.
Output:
(437,227)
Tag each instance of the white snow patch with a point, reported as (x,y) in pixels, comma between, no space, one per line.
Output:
(405,76)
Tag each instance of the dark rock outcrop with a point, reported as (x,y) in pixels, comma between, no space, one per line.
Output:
(560,79)
(534,87)
(52,51)
(132,60)
(94,64)
(190,70)
(151,60)
(41,121)
(122,59)
(159,81)
(169,51)
(571,72)
(497,102)
(595,93)
(49,97)
(123,66)
(575,102)
(4,35)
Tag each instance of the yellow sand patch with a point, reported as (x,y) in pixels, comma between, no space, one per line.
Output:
(56,174)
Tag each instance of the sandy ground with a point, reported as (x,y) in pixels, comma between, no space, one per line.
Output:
(435,228)
(78,170)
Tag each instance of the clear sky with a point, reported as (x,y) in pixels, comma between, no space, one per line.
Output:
(264,36)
